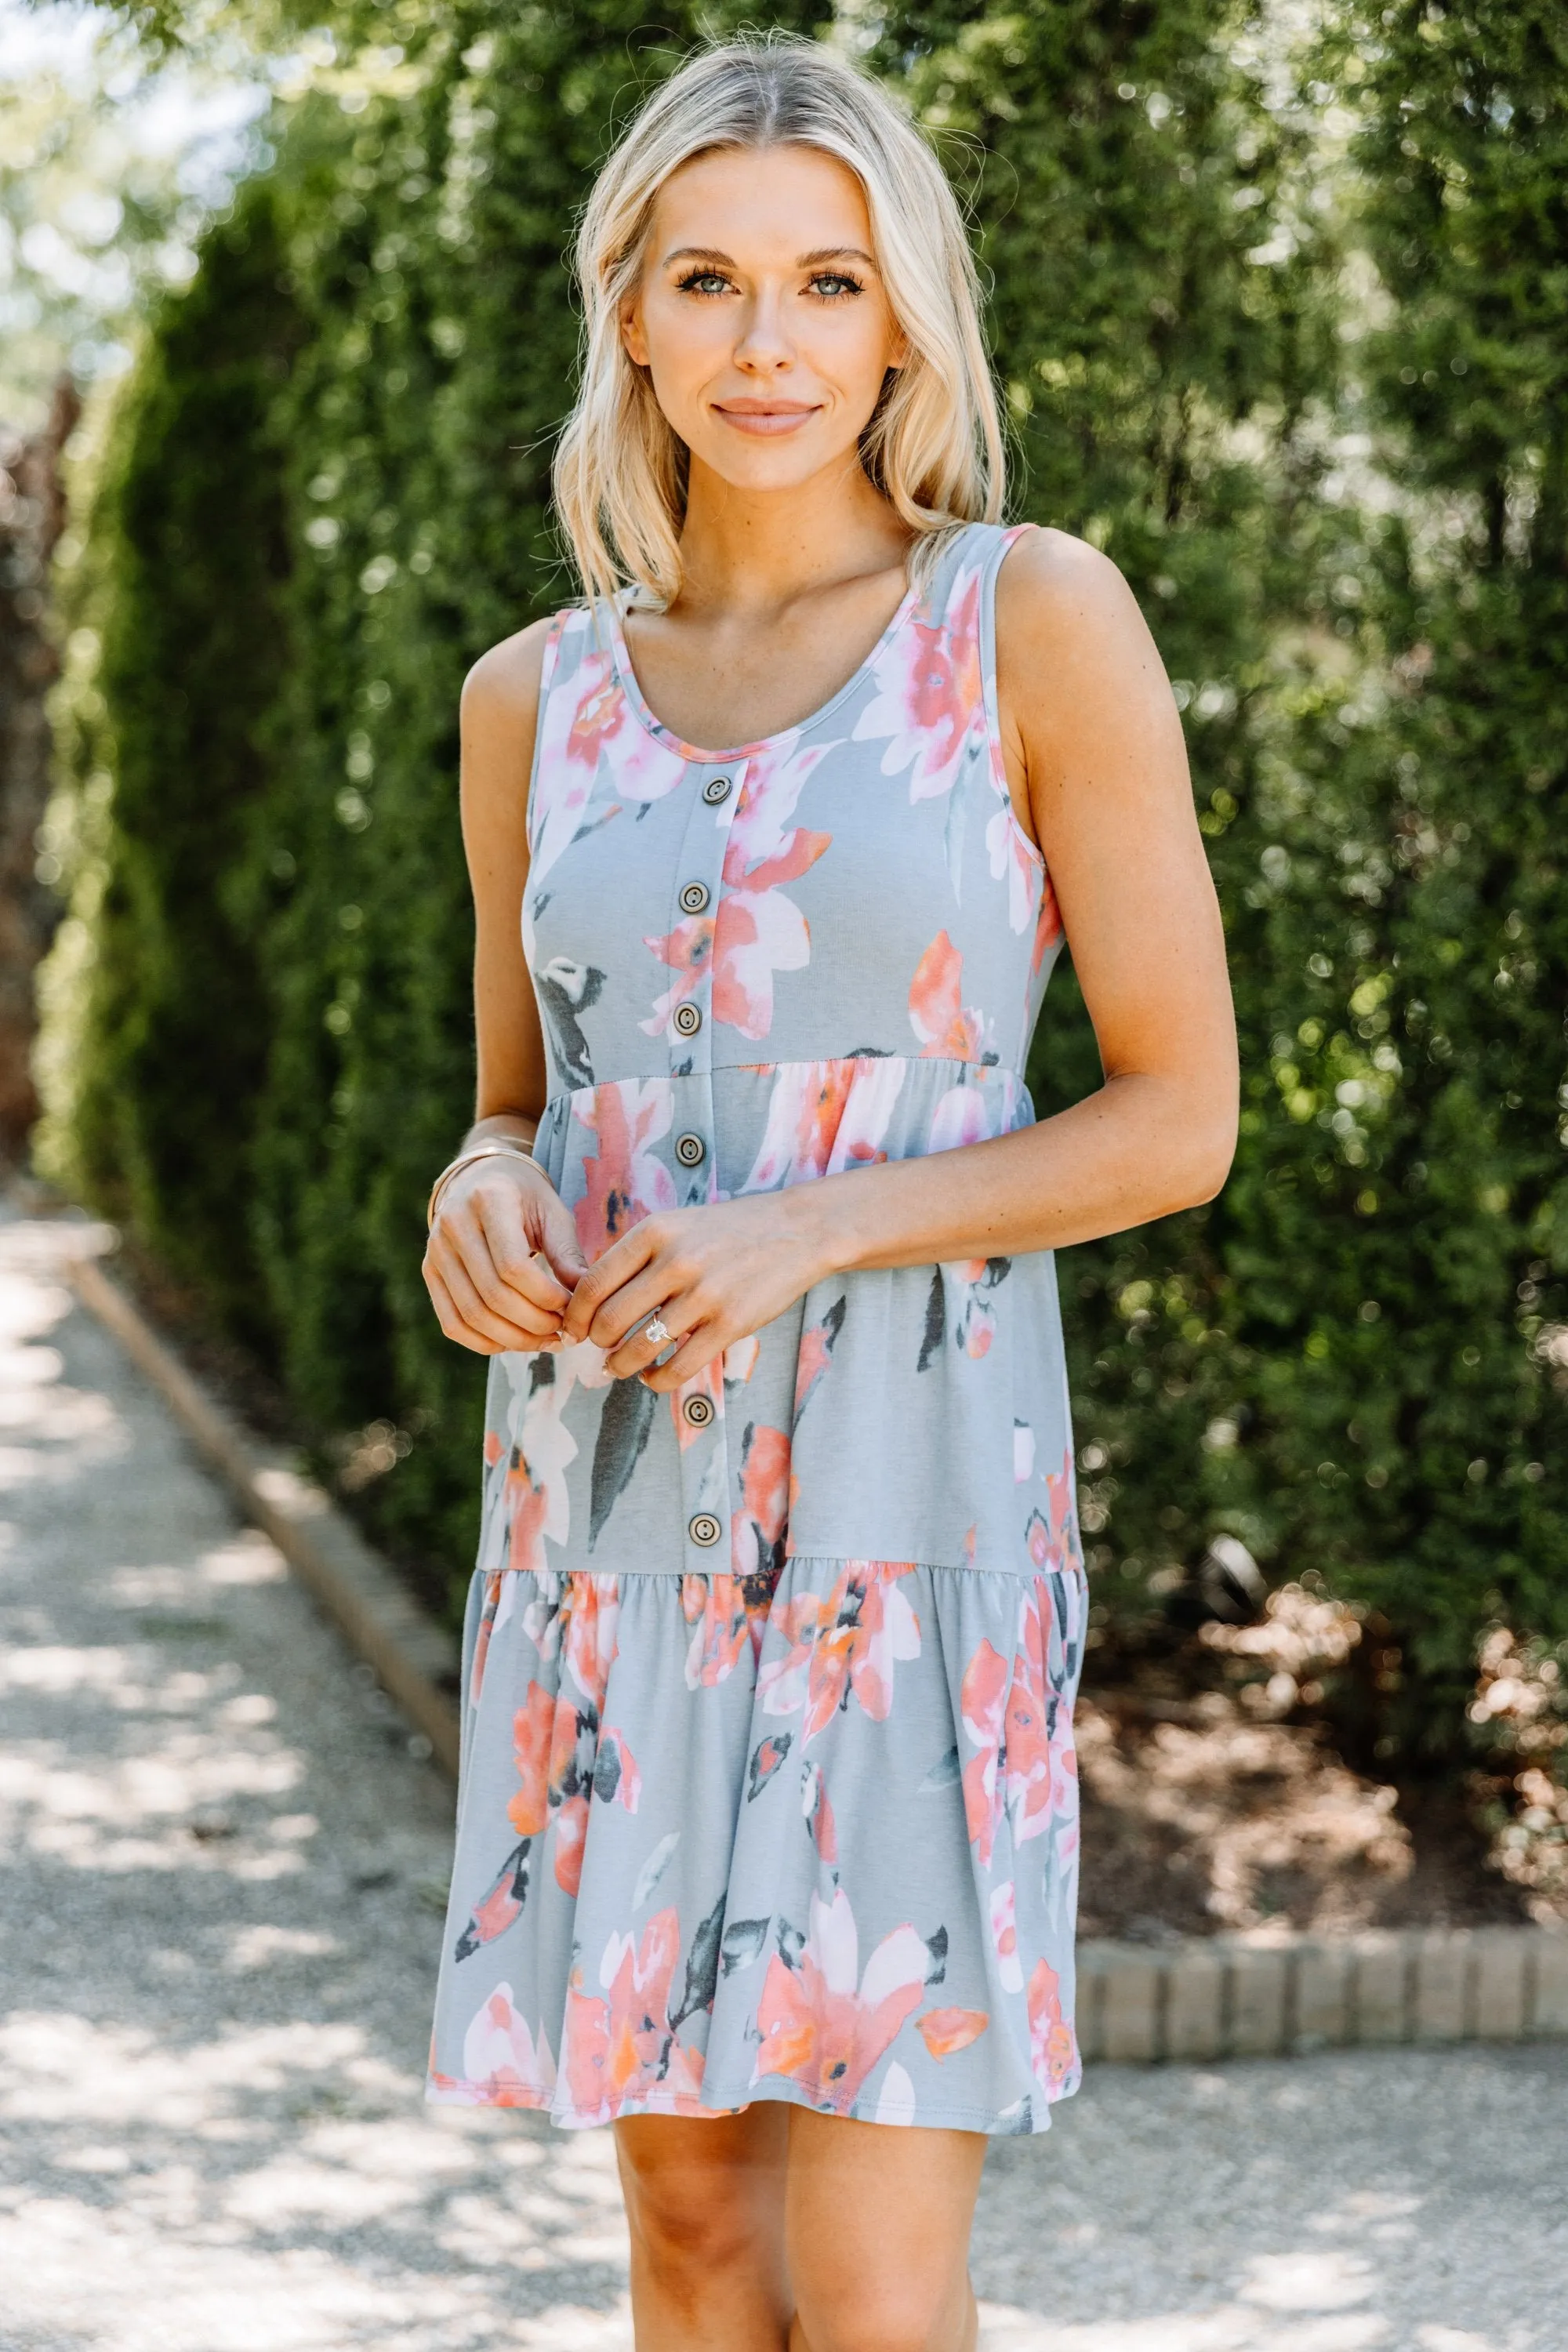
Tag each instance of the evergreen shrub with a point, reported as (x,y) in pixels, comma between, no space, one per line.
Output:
(1343,512)
(177,661)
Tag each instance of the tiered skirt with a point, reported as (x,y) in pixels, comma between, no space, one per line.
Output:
(809,1836)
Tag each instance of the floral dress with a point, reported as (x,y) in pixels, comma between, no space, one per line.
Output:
(768,1786)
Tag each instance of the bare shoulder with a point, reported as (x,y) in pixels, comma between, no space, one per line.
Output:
(1084,695)
(500,715)
(501,690)
(1058,594)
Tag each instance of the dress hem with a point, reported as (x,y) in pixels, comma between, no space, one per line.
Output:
(452,2091)
(1025,1575)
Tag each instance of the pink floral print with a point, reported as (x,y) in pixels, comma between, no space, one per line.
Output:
(768,1782)
(1052,2045)
(1004,1920)
(1013,862)
(562,1753)
(688,949)
(841,1646)
(757,1529)
(503,2065)
(1021,1731)
(956,1033)
(823,2024)
(1048,928)
(624,1180)
(727,1614)
(963,1115)
(945,2031)
(815,1354)
(758,931)
(824,1116)
(930,696)
(621,2045)
(583,736)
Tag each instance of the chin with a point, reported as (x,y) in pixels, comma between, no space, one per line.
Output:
(768,465)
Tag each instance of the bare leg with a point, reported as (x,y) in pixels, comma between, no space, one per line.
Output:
(876,2223)
(705,2201)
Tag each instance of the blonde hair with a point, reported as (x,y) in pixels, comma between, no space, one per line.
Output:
(933,446)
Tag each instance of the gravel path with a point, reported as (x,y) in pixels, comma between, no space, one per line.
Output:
(217,1941)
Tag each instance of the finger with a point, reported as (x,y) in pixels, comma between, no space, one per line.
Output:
(492,1239)
(492,1230)
(636,1351)
(466,1318)
(699,1345)
(465,1263)
(619,1264)
(451,1322)
(651,1292)
(526,1328)
(558,1240)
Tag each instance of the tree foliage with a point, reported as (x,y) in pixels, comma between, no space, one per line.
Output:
(1320,419)
(191,560)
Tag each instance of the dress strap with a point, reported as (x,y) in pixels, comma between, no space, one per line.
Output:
(546,679)
(1001,540)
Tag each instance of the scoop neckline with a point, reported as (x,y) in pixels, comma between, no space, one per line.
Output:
(626,676)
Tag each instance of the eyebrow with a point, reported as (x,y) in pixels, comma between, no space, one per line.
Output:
(803,261)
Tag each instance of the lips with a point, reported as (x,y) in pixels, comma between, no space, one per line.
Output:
(765,416)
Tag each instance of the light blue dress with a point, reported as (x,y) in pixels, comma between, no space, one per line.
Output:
(768,1784)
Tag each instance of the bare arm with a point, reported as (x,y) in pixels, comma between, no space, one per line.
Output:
(1096,756)
(1100,778)
(503,1252)
(498,716)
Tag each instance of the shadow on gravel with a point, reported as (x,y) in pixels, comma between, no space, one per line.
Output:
(217,1946)
(223,1870)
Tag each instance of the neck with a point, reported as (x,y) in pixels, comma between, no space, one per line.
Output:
(756,552)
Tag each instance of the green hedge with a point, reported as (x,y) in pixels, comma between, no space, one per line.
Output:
(188,571)
(1344,513)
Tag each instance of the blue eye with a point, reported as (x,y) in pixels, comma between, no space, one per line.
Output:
(702,281)
(832,285)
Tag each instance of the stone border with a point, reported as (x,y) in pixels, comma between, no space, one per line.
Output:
(1197,1998)
(1226,1998)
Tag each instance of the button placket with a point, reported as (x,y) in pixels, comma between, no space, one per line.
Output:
(698,882)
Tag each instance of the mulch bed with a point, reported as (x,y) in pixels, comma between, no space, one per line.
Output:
(1217,1797)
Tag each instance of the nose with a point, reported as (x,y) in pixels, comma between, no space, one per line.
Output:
(764,346)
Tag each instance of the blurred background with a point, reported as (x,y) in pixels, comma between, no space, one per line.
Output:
(1280,314)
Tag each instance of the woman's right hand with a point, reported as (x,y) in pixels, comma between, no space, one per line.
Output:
(504,1257)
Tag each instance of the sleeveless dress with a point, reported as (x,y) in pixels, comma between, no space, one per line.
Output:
(768,1788)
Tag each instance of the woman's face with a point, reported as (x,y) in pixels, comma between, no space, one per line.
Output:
(762,317)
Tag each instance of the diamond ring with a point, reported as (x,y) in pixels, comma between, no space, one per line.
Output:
(655,1330)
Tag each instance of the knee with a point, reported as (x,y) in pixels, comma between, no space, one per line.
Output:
(707,2234)
(888,2315)
(690,2218)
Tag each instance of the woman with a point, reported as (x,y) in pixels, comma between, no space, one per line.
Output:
(767,1828)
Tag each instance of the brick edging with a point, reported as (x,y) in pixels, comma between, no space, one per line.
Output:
(1201,1998)
(1225,1998)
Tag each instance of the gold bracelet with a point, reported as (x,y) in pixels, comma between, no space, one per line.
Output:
(507,1146)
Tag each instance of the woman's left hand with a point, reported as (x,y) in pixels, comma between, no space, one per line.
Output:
(712,1274)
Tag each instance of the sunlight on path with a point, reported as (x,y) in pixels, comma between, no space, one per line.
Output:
(218,1944)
